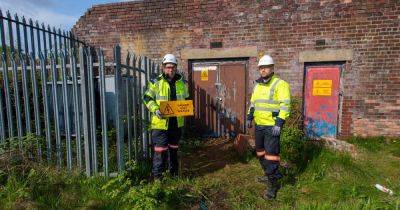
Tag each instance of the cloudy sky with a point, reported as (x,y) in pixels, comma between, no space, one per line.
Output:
(58,13)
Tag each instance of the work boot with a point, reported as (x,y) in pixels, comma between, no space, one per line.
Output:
(269,195)
(273,188)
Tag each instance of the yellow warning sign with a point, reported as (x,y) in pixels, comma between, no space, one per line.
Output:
(204,75)
(322,83)
(176,108)
(322,91)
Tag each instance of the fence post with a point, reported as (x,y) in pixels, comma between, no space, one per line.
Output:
(134,103)
(85,110)
(10,125)
(118,95)
(23,61)
(46,105)
(147,113)
(77,109)
(54,80)
(128,103)
(2,130)
(144,111)
(104,132)
(92,114)
(140,106)
(35,94)
(66,109)
(16,97)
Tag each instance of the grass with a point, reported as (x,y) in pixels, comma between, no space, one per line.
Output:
(214,177)
(327,180)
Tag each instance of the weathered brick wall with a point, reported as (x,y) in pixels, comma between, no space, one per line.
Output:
(371,81)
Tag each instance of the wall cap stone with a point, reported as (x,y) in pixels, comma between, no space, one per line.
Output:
(326,55)
(235,52)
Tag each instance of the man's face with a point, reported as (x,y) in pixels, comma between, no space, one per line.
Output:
(169,70)
(266,70)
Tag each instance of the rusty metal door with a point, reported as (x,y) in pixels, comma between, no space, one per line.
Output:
(232,97)
(219,97)
(321,103)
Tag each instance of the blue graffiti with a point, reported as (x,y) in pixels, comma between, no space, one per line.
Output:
(330,115)
(323,107)
(320,128)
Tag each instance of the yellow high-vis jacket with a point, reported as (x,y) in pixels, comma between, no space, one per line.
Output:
(159,90)
(270,100)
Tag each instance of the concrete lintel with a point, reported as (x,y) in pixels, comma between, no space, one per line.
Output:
(235,52)
(326,55)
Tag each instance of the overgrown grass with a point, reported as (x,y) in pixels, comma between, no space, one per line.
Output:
(315,178)
(320,179)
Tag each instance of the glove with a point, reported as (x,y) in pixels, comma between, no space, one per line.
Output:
(250,115)
(276,130)
(158,114)
(249,124)
(249,118)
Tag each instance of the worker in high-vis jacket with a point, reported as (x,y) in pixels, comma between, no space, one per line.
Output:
(166,132)
(269,108)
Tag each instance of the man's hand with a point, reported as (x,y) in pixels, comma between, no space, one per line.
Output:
(249,124)
(276,130)
(158,114)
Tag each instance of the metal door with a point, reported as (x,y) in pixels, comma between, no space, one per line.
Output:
(321,101)
(219,97)
(232,97)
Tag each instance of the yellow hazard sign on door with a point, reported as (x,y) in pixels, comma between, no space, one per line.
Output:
(322,91)
(322,83)
(322,88)
(176,108)
(204,75)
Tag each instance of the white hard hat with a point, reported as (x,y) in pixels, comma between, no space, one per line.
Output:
(169,58)
(265,61)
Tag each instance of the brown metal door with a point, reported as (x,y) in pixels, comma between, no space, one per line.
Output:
(219,97)
(232,97)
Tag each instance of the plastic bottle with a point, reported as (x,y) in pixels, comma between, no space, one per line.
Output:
(384,189)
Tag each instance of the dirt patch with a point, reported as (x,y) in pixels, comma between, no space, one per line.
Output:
(213,155)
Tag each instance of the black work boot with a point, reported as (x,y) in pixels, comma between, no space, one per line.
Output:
(273,188)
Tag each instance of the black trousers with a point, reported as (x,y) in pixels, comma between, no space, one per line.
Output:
(267,145)
(166,144)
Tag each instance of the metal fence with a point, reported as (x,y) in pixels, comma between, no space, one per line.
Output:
(88,119)
(28,38)
(88,111)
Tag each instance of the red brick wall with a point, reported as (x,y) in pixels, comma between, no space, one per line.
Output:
(371,81)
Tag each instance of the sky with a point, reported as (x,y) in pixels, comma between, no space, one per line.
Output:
(61,14)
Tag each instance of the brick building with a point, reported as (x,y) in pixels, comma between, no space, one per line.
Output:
(354,43)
